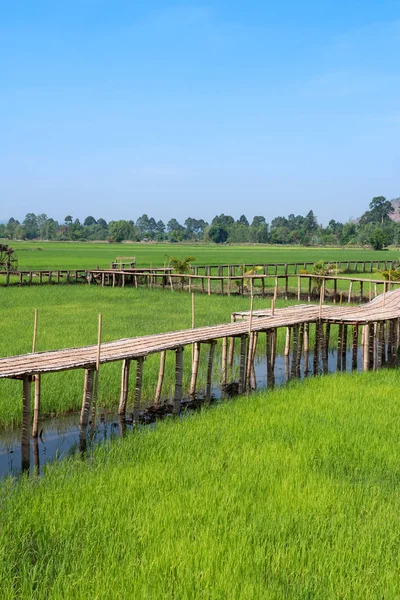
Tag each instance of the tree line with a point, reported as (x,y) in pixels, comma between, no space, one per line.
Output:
(374,228)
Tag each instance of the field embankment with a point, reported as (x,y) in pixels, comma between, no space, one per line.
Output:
(289,494)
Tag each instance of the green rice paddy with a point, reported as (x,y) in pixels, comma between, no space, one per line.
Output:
(284,495)
(75,255)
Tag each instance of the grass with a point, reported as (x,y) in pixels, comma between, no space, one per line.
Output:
(286,495)
(68,318)
(78,255)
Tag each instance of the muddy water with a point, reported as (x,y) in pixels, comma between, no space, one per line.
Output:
(60,436)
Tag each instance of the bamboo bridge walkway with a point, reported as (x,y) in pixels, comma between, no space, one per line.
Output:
(379,320)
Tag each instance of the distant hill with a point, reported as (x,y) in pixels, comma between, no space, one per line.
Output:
(396,205)
(393,217)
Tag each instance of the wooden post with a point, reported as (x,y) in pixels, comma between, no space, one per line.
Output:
(354,348)
(339,347)
(87,397)
(242,364)
(350,291)
(309,289)
(298,288)
(26,423)
(36,409)
(344,348)
(138,389)
(124,387)
(299,348)
(287,342)
(231,351)
(195,368)
(209,285)
(335,289)
(316,348)
(178,380)
(96,379)
(381,344)
(224,365)
(273,349)
(361,292)
(324,338)
(36,378)
(371,345)
(364,343)
(306,336)
(270,368)
(213,343)
(160,378)
(294,349)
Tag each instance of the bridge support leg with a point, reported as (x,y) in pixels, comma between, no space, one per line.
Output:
(209,369)
(124,387)
(26,423)
(36,410)
(178,380)
(195,369)
(138,389)
(160,378)
(87,397)
(242,365)
(224,365)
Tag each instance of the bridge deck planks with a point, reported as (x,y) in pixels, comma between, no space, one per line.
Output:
(384,307)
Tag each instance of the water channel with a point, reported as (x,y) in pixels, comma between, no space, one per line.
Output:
(61,437)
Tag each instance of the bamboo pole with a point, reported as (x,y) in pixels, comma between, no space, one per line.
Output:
(36,409)
(294,349)
(36,379)
(365,348)
(195,368)
(350,292)
(26,422)
(178,380)
(381,344)
(299,348)
(354,348)
(87,397)
(124,387)
(250,338)
(96,379)
(339,347)
(242,364)
(344,348)
(371,346)
(253,381)
(287,342)
(224,365)
(316,348)
(273,349)
(213,343)
(268,349)
(306,336)
(160,378)
(35,324)
(138,389)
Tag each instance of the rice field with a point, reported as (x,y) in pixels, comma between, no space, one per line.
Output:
(68,318)
(78,255)
(287,494)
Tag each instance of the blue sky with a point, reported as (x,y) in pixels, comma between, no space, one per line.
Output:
(119,108)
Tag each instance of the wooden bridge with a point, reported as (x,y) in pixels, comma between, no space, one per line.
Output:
(379,320)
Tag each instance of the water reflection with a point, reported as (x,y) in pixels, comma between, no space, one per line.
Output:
(62,436)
